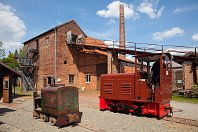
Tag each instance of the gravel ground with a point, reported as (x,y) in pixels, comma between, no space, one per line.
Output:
(20,119)
(185,110)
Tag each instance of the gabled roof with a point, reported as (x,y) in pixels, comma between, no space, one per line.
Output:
(52,29)
(5,67)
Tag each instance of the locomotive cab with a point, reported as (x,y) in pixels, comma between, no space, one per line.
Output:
(147,91)
(156,71)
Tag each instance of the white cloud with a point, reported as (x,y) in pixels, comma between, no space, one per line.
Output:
(150,9)
(185,9)
(12,28)
(167,33)
(112,11)
(195,37)
(180,51)
(111,21)
(12,46)
(112,44)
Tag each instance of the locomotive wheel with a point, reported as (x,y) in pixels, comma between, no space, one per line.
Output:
(138,111)
(52,121)
(43,117)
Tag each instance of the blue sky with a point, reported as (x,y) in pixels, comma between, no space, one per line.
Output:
(172,22)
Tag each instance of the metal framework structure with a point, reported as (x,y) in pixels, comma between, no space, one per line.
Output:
(137,48)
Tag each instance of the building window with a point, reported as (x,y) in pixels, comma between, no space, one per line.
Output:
(37,44)
(88,78)
(71,79)
(49,79)
(47,40)
(6,84)
(74,37)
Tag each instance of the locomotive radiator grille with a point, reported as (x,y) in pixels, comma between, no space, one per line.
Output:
(126,88)
(70,97)
(108,88)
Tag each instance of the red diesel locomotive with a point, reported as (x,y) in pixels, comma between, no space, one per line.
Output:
(148,91)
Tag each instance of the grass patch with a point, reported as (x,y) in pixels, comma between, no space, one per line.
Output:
(19,93)
(90,93)
(185,99)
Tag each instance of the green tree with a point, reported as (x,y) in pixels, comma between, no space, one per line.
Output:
(21,52)
(11,62)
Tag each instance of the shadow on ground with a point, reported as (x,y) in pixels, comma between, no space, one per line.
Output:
(1,123)
(3,111)
(20,95)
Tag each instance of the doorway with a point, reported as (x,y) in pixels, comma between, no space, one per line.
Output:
(1,87)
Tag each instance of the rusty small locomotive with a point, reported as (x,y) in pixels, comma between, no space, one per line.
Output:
(57,104)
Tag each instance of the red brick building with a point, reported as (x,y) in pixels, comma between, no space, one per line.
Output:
(53,60)
(188,73)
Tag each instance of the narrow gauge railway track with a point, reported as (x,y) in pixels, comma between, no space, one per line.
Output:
(12,126)
(89,128)
(82,126)
(180,120)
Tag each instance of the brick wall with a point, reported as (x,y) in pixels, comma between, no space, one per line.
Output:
(68,54)
(92,64)
(187,74)
(68,60)
(128,69)
(197,74)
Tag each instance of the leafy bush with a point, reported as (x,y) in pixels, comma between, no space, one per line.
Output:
(195,86)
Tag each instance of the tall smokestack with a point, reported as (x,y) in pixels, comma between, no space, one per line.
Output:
(122,29)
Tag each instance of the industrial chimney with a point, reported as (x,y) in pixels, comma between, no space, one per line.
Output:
(122,30)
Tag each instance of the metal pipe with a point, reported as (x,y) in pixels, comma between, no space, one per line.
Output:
(55,43)
(195,55)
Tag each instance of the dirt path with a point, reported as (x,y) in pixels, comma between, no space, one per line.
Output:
(17,117)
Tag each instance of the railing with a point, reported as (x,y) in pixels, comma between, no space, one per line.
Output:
(28,84)
(145,47)
(151,47)
(189,52)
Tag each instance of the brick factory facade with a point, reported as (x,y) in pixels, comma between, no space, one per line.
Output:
(54,61)
(190,74)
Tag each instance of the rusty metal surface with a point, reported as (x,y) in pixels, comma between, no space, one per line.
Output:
(59,100)
(57,104)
